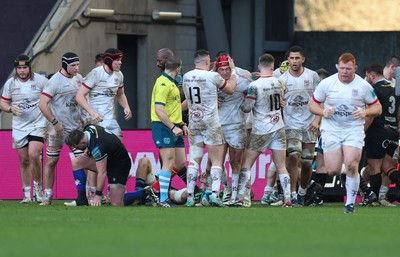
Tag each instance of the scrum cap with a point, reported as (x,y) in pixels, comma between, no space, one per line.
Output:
(67,59)
(111,55)
(22,60)
(221,61)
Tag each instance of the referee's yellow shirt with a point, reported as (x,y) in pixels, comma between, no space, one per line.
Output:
(166,93)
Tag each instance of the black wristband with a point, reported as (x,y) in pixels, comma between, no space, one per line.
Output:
(98,192)
(54,121)
(173,128)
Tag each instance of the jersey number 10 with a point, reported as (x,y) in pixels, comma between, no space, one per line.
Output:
(275,102)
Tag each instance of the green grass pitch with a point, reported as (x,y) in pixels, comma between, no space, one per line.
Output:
(33,230)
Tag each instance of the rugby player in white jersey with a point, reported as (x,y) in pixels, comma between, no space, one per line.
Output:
(200,87)
(103,85)
(264,99)
(301,125)
(20,97)
(233,120)
(344,96)
(63,113)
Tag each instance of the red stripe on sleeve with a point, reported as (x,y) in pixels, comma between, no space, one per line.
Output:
(83,84)
(224,85)
(374,102)
(315,100)
(49,96)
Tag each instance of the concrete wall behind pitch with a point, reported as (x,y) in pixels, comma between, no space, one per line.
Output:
(322,49)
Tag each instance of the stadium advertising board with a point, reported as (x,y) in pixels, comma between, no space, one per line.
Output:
(139,143)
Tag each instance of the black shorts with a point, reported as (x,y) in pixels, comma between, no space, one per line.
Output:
(378,147)
(118,174)
(34,138)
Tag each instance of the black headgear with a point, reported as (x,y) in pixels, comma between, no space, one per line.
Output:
(67,59)
(111,55)
(22,60)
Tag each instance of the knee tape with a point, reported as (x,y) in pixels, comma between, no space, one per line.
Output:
(116,185)
(53,153)
(178,196)
(77,152)
(293,147)
(272,168)
(195,152)
(150,179)
(307,156)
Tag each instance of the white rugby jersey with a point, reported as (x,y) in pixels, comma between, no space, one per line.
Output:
(229,110)
(200,88)
(299,92)
(62,91)
(277,73)
(345,98)
(103,90)
(267,93)
(26,95)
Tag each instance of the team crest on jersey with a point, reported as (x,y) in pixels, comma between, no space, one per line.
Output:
(354,92)
(163,84)
(197,115)
(275,119)
(116,81)
(33,87)
(307,83)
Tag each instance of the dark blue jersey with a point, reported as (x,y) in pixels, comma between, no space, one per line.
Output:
(103,144)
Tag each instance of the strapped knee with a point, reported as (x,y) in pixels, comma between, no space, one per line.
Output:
(307,156)
(195,152)
(53,154)
(77,152)
(294,147)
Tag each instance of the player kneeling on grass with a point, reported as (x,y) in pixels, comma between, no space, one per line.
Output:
(105,154)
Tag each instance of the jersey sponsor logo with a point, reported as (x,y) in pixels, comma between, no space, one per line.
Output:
(298,101)
(343,111)
(388,142)
(107,92)
(71,103)
(197,115)
(195,79)
(26,104)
